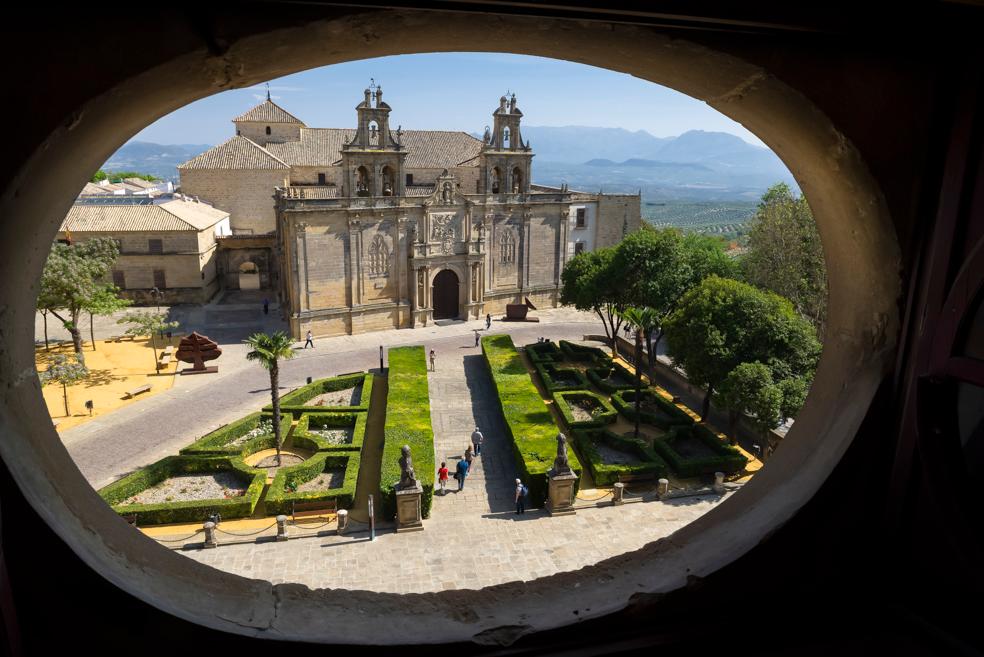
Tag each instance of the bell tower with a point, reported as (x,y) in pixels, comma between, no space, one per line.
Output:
(373,159)
(505,159)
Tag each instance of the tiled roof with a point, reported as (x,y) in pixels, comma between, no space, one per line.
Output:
(268,112)
(236,153)
(419,190)
(92,189)
(172,215)
(312,191)
(426,149)
(141,183)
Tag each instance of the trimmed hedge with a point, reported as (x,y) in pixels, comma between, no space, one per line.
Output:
(549,374)
(293,402)
(280,500)
(604,414)
(668,415)
(357,421)
(606,474)
(190,511)
(599,376)
(581,353)
(544,352)
(408,422)
(531,427)
(728,459)
(213,444)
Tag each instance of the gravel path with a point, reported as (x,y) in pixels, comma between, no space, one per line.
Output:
(613,456)
(336,435)
(185,488)
(328,479)
(286,460)
(344,397)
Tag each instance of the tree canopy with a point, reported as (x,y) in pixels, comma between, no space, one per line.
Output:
(785,254)
(595,281)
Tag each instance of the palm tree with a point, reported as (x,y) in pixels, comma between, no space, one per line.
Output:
(267,350)
(644,320)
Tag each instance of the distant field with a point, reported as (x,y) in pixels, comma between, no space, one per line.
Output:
(724,218)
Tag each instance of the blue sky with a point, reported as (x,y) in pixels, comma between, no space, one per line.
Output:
(455,91)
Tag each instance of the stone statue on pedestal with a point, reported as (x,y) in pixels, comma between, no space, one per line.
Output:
(561,465)
(407,477)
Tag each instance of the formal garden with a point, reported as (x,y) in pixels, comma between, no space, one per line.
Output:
(240,470)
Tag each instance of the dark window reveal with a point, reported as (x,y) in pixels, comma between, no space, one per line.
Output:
(159,281)
(321,179)
(580,218)
(155,246)
(578,247)
(119,279)
(409,178)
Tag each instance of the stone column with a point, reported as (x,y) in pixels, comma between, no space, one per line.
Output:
(527,249)
(342,519)
(618,492)
(663,488)
(718,482)
(302,279)
(210,541)
(355,262)
(281,528)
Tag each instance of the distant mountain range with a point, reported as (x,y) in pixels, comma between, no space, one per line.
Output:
(697,165)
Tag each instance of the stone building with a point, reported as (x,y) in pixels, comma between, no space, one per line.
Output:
(169,243)
(375,227)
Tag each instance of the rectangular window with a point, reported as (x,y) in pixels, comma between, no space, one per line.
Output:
(578,247)
(159,281)
(119,279)
(580,218)
(409,178)
(321,179)
(155,246)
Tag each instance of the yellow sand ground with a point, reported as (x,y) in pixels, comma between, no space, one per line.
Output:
(114,367)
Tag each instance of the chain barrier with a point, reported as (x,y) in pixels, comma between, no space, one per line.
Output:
(249,534)
(595,499)
(626,493)
(177,540)
(294,524)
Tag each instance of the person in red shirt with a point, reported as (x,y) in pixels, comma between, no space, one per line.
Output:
(442,477)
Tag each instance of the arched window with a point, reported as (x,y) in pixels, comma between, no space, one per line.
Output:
(373,133)
(507,246)
(495,180)
(379,257)
(363,182)
(268,130)
(505,138)
(389,182)
(517,180)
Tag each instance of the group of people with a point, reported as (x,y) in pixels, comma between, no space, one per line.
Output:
(464,466)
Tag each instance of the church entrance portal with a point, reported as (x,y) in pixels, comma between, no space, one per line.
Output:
(445,295)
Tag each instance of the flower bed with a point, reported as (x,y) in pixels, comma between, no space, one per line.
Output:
(612,379)
(560,378)
(239,506)
(583,410)
(529,423)
(581,353)
(694,450)
(591,442)
(240,438)
(297,402)
(655,409)
(408,422)
(285,489)
(321,428)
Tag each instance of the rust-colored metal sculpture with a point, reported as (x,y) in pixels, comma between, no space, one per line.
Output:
(197,349)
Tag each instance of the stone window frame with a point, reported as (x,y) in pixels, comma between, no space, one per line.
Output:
(155,246)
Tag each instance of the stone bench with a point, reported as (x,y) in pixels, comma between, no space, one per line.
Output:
(164,361)
(168,351)
(313,509)
(130,394)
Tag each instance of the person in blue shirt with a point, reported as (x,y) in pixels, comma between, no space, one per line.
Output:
(461,471)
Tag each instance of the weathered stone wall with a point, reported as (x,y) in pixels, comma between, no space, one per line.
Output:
(279,132)
(246,194)
(309,175)
(618,215)
(545,251)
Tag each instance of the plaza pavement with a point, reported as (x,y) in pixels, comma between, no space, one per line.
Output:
(472,540)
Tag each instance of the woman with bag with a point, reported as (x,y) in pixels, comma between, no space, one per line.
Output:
(442,477)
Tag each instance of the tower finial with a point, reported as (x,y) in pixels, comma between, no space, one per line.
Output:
(268,90)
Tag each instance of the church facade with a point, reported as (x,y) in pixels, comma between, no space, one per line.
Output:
(378,228)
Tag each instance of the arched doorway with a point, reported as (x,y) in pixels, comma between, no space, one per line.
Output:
(445,295)
(249,276)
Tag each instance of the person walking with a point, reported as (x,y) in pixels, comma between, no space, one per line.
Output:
(266,306)
(469,456)
(476,338)
(477,439)
(431,356)
(521,492)
(488,321)
(442,477)
(309,341)
(460,472)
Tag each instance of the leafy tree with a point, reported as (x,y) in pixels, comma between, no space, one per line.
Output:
(66,371)
(785,254)
(120,175)
(595,281)
(148,322)
(749,389)
(643,320)
(268,350)
(723,323)
(794,391)
(706,256)
(104,302)
(73,278)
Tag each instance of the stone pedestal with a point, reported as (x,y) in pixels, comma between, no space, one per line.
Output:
(664,487)
(342,519)
(618,493)
(408,516)
(718,482)
(210,541)
(560,495)
(281,528)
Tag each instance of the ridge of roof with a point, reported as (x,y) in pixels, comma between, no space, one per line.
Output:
(268,112)
(173,215)
(237,152)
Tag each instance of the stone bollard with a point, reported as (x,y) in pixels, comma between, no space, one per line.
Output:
(210,535)
(619,490)
(281,528)
(719,482)
(342,519)
(663,488)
